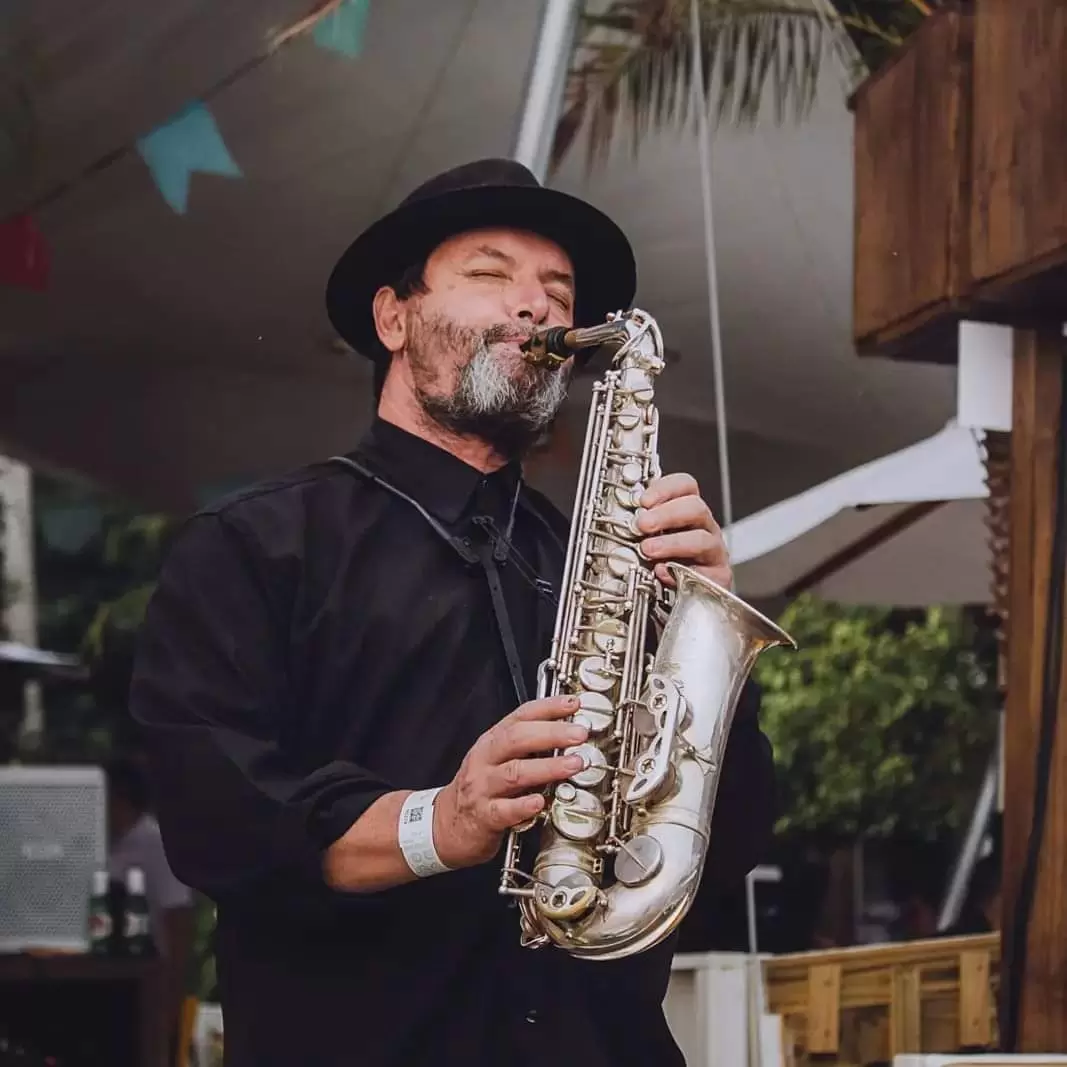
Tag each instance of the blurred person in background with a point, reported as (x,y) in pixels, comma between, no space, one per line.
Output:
(325,669)
(134,840)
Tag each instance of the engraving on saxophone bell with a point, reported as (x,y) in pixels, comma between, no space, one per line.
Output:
(658,671)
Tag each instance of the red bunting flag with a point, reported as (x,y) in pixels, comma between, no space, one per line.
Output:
(24,260)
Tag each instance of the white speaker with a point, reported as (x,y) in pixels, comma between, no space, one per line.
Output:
(53,835)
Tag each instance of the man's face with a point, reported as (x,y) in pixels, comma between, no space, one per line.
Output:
(485,292)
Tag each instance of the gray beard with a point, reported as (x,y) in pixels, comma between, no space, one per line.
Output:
(510,409)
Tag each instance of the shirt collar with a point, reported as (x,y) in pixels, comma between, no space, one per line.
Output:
(445,485)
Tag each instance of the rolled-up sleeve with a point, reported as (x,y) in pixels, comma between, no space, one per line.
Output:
(210,692)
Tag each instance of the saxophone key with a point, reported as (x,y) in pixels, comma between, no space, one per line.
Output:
(596,713)
(611,636)
(576,814)
(596,765)
(621,560)
(595,675)
(639,860)
(629,496)
(566,902)
(653,769)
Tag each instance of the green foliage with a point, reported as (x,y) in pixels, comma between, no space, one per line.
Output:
(97,561)
(882,721)
(202,981)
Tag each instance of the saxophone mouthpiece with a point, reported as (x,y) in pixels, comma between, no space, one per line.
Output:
(554,345)
(547,348)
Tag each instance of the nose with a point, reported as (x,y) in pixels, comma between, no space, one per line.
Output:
(528,302)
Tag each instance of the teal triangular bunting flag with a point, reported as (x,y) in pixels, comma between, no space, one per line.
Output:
(188,143)
(342,29)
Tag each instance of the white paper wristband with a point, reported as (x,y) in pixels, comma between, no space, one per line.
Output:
(415,834)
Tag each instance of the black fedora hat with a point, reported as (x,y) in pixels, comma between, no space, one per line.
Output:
(478,195)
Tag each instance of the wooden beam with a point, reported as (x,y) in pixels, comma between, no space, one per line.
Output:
(1042,984)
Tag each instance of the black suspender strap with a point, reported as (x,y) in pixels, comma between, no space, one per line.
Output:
(487,555)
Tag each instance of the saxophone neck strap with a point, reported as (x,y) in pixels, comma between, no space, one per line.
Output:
(503,621)
(487,553)
(461,545)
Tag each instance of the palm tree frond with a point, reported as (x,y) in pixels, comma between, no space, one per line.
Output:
(634,62)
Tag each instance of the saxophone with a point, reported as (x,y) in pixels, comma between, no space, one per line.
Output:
(623,843)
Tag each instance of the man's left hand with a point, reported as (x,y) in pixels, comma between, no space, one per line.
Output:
(680,528)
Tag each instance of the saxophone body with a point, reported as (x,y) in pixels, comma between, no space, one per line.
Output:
(622,845)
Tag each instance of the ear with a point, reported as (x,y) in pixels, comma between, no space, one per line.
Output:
(389,319)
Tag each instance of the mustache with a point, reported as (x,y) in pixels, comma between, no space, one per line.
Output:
(507,332)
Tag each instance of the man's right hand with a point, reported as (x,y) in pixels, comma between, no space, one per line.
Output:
(498,784)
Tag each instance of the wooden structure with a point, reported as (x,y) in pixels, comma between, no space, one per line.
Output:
(85,1009)
(961,212)
(868,1004)
(960,166)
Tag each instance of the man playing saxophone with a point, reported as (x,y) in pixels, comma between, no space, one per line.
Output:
(336,673)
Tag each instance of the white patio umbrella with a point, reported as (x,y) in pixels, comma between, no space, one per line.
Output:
(907,530)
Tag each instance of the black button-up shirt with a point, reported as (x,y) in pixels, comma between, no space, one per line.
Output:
(313,644)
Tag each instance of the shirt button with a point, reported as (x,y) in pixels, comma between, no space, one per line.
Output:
(531,1015)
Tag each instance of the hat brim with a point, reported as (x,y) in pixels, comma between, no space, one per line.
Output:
(603,261)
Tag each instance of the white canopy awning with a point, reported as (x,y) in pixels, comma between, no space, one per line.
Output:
(908,530)
(173,353)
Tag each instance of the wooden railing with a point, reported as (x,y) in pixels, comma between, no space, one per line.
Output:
(867,1004)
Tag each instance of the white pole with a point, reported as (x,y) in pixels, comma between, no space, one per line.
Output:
(545,83)
(699,88)
(19,594)
(970,850)
(757,874)
(20,601)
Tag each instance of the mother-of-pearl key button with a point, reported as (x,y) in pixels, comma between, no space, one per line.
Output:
(576,813)
(595,768)
(596,713)
(594,675)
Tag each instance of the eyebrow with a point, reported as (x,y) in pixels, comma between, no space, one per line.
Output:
(546,275)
